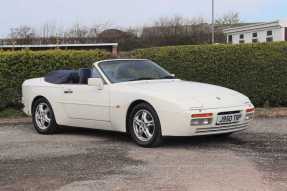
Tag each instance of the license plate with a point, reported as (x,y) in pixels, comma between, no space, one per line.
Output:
(228,118)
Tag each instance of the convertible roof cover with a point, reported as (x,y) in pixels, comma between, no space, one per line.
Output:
(62,76)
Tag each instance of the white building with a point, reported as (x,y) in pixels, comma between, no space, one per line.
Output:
(260,32)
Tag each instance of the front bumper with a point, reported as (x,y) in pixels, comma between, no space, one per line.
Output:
(178,124)
(221,129)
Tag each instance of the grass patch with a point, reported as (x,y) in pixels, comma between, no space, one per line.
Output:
(11,113)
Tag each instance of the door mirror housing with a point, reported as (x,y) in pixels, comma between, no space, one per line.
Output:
(97,82)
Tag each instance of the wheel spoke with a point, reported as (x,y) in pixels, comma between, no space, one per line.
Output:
(42,122)
(145,119)
(137,120)
(150,123)
(47,119)
(146,132)
(41,109)
(138,130)
(144,116)
(37,116)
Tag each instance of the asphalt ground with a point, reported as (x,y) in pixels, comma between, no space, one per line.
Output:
(85,159)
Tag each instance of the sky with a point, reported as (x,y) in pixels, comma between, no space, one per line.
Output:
(124,13)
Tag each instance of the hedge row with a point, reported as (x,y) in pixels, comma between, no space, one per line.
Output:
(257,70)
(17,66)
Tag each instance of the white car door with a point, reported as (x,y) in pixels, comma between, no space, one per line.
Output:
(86,106)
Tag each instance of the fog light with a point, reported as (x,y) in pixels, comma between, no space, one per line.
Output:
(249,116)
(201,121)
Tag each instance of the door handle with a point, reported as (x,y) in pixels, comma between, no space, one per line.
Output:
(68,91)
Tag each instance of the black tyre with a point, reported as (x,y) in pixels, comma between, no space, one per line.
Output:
(43,117)
(144,126)
(224,135)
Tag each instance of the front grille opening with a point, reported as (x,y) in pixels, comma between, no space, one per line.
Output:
(222,128)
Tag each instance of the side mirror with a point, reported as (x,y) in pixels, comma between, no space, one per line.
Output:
(97,82)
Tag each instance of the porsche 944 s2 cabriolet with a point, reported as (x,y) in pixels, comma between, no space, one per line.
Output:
(135,96)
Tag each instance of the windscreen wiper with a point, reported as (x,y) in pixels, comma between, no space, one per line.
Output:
(143,78)
(168,77)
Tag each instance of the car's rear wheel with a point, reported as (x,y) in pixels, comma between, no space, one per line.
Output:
(144,125)
(43,117)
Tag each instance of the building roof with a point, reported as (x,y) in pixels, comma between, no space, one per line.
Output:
(60,45)
(257,26)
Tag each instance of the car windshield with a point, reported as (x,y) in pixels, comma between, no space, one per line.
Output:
(133,70)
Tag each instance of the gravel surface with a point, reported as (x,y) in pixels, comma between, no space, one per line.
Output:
(86,160)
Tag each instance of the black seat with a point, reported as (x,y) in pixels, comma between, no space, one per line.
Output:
(74,77)
(84,75)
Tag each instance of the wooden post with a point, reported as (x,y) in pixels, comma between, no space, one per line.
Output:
(115,51)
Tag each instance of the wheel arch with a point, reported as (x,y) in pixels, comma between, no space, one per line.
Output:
(35,99)
(49,103)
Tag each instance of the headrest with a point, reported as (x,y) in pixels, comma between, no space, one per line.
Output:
(84,74)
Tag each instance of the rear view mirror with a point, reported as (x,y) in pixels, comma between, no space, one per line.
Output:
(97,82)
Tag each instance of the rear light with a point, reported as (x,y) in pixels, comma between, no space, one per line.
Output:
(201,119)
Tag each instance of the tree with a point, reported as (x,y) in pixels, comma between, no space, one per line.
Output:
(176,30)
(77,31)
(126,39)
(21,35)
(22,32)
(48,30)
(228,19)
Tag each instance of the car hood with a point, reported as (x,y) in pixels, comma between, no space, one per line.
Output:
(190,94)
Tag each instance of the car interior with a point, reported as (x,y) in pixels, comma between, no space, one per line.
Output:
(80,76)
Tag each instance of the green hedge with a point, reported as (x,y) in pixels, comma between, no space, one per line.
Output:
(17,66)
(257,70)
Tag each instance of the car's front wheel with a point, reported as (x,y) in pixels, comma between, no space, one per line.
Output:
(144,126)
(43,117)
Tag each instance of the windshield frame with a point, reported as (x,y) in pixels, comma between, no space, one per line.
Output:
(107,77)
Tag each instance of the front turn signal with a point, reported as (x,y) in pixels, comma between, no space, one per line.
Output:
(202,115)
(250,110)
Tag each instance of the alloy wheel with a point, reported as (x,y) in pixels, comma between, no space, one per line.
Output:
(143,125)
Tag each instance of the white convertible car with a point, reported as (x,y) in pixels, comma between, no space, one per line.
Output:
(136,96)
